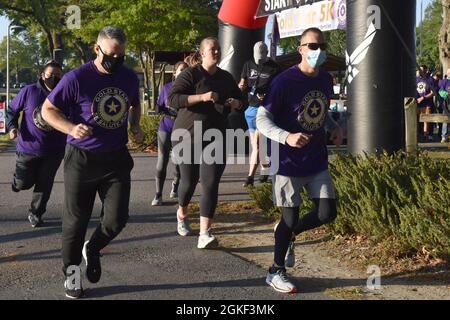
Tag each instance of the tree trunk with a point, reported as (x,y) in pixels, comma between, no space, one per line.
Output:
(143,64)
(83,50)
(152,62)
(162,71)
(444,36)
(17,73)
(50,43)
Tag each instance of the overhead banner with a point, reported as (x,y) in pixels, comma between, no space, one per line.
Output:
(2,117)
(325,15)
(268,7)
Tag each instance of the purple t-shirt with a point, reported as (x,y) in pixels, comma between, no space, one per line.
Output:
(166,124)
(299,103)
(36,136)
(424,87)
(445,85)
(100,101)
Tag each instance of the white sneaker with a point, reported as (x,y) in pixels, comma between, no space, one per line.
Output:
(280,282)
(183,228)
(206,240)
(289,260)
(157,201)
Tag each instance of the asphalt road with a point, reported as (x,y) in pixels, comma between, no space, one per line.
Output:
(148,260)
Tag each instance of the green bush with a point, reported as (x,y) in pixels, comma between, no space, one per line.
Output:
(149,125)
(406,198)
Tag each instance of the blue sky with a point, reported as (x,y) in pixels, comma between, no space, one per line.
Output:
(4,21)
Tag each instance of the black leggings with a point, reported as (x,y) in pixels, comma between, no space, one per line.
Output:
(164,147)
(209,175)
(324,212)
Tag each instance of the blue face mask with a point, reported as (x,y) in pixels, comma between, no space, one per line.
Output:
(316,58)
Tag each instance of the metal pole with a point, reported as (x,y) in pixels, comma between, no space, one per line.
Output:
(421,29)
(7,67)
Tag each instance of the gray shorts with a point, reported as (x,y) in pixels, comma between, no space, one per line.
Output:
(286,190)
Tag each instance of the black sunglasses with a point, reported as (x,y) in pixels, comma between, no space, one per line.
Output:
(315,46)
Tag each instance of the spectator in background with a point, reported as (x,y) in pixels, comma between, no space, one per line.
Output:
(424,96)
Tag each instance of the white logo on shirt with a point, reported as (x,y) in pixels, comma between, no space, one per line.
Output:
(313,109)
(110,108)
(421,87)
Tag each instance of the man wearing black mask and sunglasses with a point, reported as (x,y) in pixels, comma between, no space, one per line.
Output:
(98,98)
(39,148)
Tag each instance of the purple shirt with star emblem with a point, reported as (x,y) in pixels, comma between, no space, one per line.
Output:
(100,101)
(424,87)
(36,136)
(166,123)
(299,103)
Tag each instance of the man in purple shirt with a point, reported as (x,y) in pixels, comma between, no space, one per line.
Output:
(164,143)
(294,116)
(424,96)
(92,104)
(39,148)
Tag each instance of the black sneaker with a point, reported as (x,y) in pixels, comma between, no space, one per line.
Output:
(35,220)
(71,289)
(93,266)
(264,179)
(249,182)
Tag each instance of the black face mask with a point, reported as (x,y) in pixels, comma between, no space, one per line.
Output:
(110,63)
(51,82)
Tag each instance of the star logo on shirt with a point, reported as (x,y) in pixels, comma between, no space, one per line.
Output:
(315,110)
(113,107)
(110,108)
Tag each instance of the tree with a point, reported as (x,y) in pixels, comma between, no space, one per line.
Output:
(335,39)
(25,57)
(37,16)
(45,19)
(444,36)
(429,29)
(150,26)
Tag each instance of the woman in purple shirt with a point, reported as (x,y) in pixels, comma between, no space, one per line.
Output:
(164,144)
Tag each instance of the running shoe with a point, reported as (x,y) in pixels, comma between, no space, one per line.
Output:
(280,282)
(206,240)
(157,201)
(71,289)
(174,191)
(93,266)
(35,221)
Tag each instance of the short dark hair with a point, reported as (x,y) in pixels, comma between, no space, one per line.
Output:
(53,64)
(114,33)
(424,67)
(314,30)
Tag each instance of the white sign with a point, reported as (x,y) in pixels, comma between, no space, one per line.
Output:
(325,15)
(2,117)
